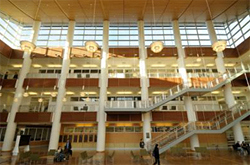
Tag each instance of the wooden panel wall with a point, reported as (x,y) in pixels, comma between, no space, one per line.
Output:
(40,82)
(3,117)
(200,80)
(8,83)
(79,82)
(5,50)
(78,116)
(124,117)
(33,117)
(206,115)
(169,116)
(124,137)
(127,82)
(164,82)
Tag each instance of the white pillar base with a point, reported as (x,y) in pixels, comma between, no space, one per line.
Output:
(147,130)
(16,148)
(27,148)
(194,142)
(238,134)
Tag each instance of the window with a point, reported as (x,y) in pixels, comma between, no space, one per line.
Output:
(161,32)
(194,34)
(123,35)
(52,35)
(85,33)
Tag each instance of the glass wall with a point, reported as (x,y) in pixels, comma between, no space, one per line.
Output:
(194,34)
(123,35)
(163,32)
(10,31)
(85,33)
(52,35)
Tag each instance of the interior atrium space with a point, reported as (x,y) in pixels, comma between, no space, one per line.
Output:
(125,82)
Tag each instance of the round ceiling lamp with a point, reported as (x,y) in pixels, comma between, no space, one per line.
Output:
(156,47)
(64,99)
(219,46)
(27,46)
(40,100)
(26,94)
(82,94)
(53,94)
(91,46)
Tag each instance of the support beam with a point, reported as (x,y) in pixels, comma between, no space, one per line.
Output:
(101,133)
(56,125)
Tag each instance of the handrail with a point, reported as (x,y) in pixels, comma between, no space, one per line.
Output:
(235,112)
(176,90)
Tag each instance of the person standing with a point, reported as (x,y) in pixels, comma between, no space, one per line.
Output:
(15,76)
(6,75)
(156,154)
(142,144)
(68,147)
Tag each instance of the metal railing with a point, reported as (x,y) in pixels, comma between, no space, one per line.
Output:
(36,108)
(216,123)
(43,75)
(177,90)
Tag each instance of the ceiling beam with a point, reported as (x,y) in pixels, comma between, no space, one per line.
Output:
(182,13)
(232,4)
(105,16)
(60,7)
(141,17)
(21,10)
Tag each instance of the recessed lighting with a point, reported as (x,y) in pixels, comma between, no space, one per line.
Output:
(229,64)
(158,65)
(89,66)
(236,92)
(32,93)
(210,65)
(157,92)
(215,92)
(174,65)
(72,65)
(54,65)
(17,65)
(37,66)
(70,93)
(123,66)
(193,65)
(124,92)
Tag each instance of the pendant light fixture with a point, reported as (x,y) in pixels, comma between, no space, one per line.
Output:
(218,46)
(156,46)
(92,46)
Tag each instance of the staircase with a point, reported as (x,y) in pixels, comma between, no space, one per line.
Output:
(218,124)
(177,91)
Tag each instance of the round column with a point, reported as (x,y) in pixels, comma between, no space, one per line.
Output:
(194,141)
(144,85)
(27,47)
(103,84)
(228,94)
(56,125)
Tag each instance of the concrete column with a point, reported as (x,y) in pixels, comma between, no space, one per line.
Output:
(229,97)
(56,125)
(101,133)
(181,53)
(144,84)
(194,141)
(27,47)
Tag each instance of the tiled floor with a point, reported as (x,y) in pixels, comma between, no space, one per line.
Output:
(123,157)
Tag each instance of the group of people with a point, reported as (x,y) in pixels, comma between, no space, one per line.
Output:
(242,147)
(155,152)
(7,74)
(63,154)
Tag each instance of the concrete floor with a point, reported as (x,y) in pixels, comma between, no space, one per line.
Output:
(123,157)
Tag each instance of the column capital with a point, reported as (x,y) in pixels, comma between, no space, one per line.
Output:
(27,46)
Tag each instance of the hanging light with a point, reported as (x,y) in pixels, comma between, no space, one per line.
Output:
(82,94)
(0,94)
(40,100)
(156,47)
(91,46)
(27,46)
(64,99)
(53,94)
(26,94)
(219,46)
(87,99)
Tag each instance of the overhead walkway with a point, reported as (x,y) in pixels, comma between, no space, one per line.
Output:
(177,91)
(217,125)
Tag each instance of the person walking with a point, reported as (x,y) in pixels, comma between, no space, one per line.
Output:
(142,144)
(156,154)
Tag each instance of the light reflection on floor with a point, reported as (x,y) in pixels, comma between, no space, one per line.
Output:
(123,157)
